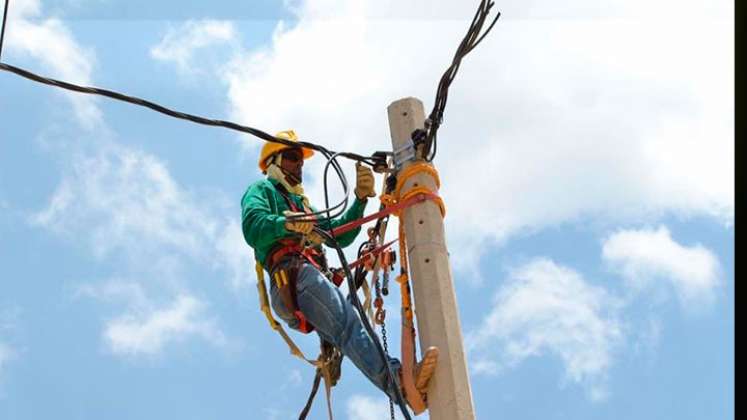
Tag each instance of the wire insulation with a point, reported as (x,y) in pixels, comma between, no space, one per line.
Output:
(2,30)
(469,42)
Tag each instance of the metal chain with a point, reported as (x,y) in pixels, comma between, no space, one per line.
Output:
(377,287)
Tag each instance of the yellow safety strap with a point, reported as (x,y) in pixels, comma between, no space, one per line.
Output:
(264,304)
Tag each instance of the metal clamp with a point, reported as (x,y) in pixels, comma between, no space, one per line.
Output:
(404,154)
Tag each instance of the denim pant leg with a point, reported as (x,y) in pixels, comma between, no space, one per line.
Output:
(336,321)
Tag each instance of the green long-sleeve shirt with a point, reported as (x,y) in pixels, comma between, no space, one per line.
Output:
(263,223)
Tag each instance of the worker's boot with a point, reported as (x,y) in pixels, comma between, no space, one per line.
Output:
(425,368)
(415,380)
(333,358)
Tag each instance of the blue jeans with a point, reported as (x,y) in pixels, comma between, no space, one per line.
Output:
(336,321)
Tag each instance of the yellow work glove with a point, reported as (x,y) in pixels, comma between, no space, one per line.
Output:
(313,239)
(300,226)
(364,182)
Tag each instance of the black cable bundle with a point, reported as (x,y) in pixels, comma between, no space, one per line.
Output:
(470,41)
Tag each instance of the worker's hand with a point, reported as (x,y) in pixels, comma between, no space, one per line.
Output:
(314,238)
(299,226)
(364,182)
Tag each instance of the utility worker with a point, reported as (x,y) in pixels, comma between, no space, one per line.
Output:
(301,292)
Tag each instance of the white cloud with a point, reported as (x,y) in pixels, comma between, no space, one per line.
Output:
(550,120)
(126,205)
(23,8)
(545,308)
(363,407)
(151,319)
(520,9)
(51,43)
(180,44)
(647,256)
(126,200)
(148,332)
(234,255)
(648,337)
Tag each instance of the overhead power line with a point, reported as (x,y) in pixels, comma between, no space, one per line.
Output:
(2,31)
(172,113)
(474,36)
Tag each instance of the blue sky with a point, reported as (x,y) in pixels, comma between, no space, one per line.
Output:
(587,160)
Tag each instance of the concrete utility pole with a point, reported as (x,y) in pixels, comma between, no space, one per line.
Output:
(449,391)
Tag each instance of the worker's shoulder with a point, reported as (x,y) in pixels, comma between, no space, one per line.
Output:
(261,186)
(262,183)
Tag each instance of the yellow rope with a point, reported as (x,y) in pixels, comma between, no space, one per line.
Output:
(264,305)
(322,363)
(416,168)
(413,170)
(403,279)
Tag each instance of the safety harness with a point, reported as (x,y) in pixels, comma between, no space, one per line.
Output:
(284,262)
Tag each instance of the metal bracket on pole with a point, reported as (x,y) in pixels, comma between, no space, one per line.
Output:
(404,154)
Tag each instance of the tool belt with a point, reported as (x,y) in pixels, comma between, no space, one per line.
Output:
(283,264)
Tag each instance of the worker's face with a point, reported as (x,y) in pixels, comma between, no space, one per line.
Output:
(292,163)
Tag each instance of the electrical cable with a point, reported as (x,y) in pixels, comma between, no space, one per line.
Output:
(332,161)
(210,122)
(176,114)
(469,42)
(190,117)
(2,30)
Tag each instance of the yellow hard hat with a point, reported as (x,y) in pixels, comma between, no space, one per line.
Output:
(270,148)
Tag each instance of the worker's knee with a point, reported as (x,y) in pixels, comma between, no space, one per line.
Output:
(321,302)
